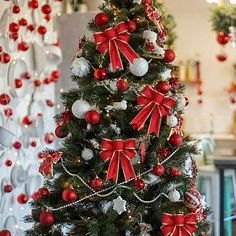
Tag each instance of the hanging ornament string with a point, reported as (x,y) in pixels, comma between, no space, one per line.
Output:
(113,188)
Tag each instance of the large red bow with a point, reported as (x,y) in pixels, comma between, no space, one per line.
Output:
(115,40)
(179,225)
(46,167)
(154,104)
(119,151)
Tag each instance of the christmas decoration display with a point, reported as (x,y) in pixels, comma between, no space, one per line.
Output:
(121,168)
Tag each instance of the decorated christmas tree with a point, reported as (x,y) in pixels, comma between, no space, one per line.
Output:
(125,168)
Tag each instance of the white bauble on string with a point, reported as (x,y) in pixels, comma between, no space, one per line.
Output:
(172,121)
(80,107)
(180,103)
(87,154)
(80,67)
(139,67)
(174,195)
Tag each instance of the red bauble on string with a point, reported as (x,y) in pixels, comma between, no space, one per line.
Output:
(26,75)
(8,163)
(132,26)
(14,36)
(31,27)
(49,102)
(47,80)
(18,83)
(176,140)
(5,232)
(8,188)
(43,192)
(223,38)
(33,4)
(92,117)
(47,17)
(8,112)
(46,218)
(169,56)
(100,74)
(37,83)
(55,75)
(174,172)
(139,184)
(16,9)
(163,87)
(22,198)
(221,57)
(69,195)
(49,138)
(46,9)
(13,27)
(122,85)
(61,132)
(22,22)
(200,101)
(23,46)
(42,30)
(27,120)
(5,58)
(4,99)
(33,144)
(101,19)
(96,183)
(158,170)
(17,145)
(35,196)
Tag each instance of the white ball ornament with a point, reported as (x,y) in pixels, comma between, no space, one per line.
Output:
(79,108)
(87,154)
(174,195)
(80,67)
(172,121)
(139,67)
(180,103)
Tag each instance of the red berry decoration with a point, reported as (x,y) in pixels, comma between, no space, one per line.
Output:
(33,144)
(8,163)
(221,57)
(4,99)
(92,117)
(132,26)
(5,232)
(101,19)
(174,172)
(96,183)
(42,30)
(43,192)
(158,170)
(8,112)
(16,9)
(163,87)
(49,138)
(5,58)
(46,9)
(69,195)
(27,120)
(169,56)
(37,83)
(8,188)
(122,85)
(223,38)
(100,74)
(176,140)
(26,75)
(22,22)
(23,46)
(61,132)
(46,218)
(192,198)
(139,184)
(33,4)
(22,198)
(17,145)
(18,83)
(13,27)
(14,36)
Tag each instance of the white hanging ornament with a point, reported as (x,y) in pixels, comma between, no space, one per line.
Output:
(166,74)
(139,67)
(172,121)
(80,67)
(174,195)
(119,205)
(79,108)
(87,154)
(117,106)
(180,103)
(105,206)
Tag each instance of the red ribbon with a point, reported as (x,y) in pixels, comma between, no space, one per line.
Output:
(119,152)
(46,167)
(179,225)
(154,104)
(114,40)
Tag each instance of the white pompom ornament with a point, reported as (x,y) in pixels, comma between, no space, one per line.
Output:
(87,154)
(79,108)
(172,121)
(174,195)
(80,67)
(139,67)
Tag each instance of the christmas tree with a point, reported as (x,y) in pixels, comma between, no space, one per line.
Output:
(125,168)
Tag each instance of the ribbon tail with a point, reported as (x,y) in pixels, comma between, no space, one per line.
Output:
(113,169)
(155,123)
(116,62)
(127,168)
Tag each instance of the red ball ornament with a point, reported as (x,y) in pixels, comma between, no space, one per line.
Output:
(8,188)
(132,26)
(5,58)
(42,30)
(23,46)
(22,22)
(43,192)
(192,198)
(49,102)
(8,112)
(122,85)
(46,218)
(37,83)
(92,117)
(49,138)
(46,9)
(200,101)
(55,75)
(4,99)
(18,83)
(221,57)
(223,38)
(33,144)
(41,155)
(69,195)
(8,163)
(17,145)
(26,75)
(47,17)
(35,196)
(5,232)
(164,152)
(158,170)
(22,198)
(13,27)
(47,81)
(169,56)
(14,36)
(176,140)
(33,4)
(61,132)
(96,183)
(174,172)
(31,27)
(139,184)
(16,9)
(163,87)
(27,120)
(101,19)
(100,74)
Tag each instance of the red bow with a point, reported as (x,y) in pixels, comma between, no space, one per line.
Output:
(46,167)
(179,225)
(154,104)
(115,40)
(119,151)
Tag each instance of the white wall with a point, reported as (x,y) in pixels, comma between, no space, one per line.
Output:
(195,36)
